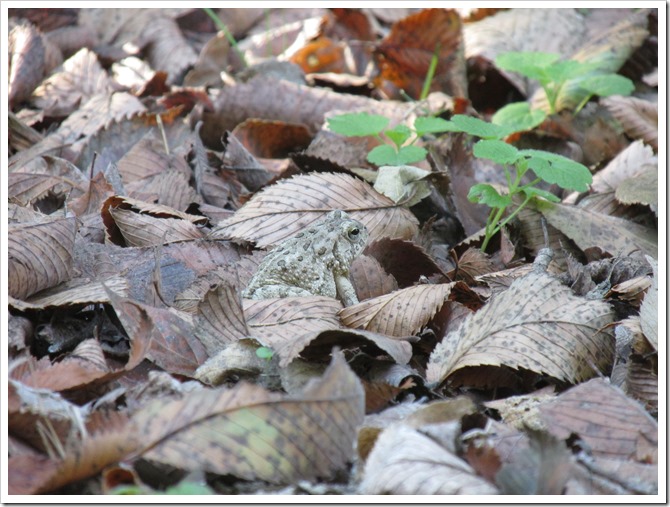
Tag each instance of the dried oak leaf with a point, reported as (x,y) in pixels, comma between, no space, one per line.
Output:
(40,255)
(292,205)
(409,461)
(612,424)
(254,434)
(539,325)
(287,325)
(401,313)
(404,56)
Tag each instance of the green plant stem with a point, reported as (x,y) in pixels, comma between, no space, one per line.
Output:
(222,26)
(430,74)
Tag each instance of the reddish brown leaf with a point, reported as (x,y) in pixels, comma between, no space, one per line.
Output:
(26,62)
(404,55)
(272,139)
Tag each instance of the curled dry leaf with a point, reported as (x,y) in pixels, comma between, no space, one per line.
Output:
(129,222)
(289,206)
(40,255)
(538,325)
(254,434)
(407,461)
(370,279)
(287,325)
(587,229)
(611,424)
(624,166)
(401,313)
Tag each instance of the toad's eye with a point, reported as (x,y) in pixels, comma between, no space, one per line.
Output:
(354,232)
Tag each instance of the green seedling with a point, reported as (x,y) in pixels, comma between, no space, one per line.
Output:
(398,148)
(579,80)
(546,166)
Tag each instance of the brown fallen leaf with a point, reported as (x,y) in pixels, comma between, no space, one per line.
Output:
(41,175)
(26,62)
(254,434)
(591,229)
(291,205)
(80,78)
(287,325)
(40,255)
(639,117)
(405,54)
(401,313)
(220,318)
(408,461)
(272,139)
(610,423)
(649,309)
(129,222)
(539,325)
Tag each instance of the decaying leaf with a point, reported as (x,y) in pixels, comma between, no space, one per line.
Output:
(401,182)
(285,208)
(538,325)
(253,434)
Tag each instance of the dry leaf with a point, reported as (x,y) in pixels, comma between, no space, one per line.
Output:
(590,229)
(257,435)
(649,308)
(80,78)
(401,313)
(370,279)
(640,189)
(43,175)
(287,325)
(220,318)
(404,55)
(289,206)
(625,165)
(538,325)
(407,461)
(638,117)
(40,255)
(609,422)
(26,62)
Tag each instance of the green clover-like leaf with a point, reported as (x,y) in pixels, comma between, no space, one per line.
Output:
(483,193)
(605,85)
(431,125)
(498,151)
(558,169)
(519,117)
(357,124)
(399,134)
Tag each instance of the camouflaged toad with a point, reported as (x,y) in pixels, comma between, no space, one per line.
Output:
(313,262)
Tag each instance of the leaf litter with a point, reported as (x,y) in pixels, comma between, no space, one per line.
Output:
(152,167)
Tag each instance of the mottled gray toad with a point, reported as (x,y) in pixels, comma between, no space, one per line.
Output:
(313,262)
